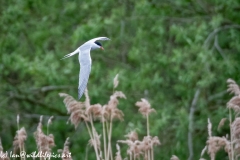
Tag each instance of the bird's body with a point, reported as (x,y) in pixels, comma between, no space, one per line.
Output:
(85,61)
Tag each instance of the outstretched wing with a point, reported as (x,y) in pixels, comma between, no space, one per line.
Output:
(99,39)
(83,79)
(85,69)
(71,54)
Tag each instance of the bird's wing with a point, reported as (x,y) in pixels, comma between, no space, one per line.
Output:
(99,39)
(85,69)
(86,45)
(71,54)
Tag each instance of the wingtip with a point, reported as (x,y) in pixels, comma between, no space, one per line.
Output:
(64,57)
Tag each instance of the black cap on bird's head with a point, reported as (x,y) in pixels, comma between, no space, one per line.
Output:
(99,44)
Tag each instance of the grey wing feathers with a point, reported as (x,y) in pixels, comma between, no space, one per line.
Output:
(83,79)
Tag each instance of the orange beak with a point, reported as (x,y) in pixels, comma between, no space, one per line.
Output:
(102,48)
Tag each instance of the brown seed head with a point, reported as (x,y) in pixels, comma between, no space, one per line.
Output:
(236,134)
(144,107)
(19,139)
(155,141)
(75,109)
(234,103)
(44,142)
(95,110)
(133,136)
(221,123)
(110,111)
(66,154)
(233,87)
(214,144)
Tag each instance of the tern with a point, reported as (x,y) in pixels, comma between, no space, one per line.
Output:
(86,61)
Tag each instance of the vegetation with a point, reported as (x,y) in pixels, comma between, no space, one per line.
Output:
(176,54)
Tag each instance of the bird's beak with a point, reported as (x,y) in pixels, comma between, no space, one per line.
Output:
(102,48)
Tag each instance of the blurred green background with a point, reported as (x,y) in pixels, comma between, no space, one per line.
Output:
(166,51)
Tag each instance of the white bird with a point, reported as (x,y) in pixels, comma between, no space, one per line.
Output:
(85,61)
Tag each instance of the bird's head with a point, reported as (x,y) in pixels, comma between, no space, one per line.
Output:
(97,45)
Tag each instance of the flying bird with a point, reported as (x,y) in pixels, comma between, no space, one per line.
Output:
(86,61)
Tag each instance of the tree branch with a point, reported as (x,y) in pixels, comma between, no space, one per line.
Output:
(219,49)
(34,101)
(51,88)
(190,126)
(215,31)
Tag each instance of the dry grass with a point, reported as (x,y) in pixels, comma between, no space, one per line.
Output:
(100,140)
(45,143)
(106,114)
(230,145)
(66,154)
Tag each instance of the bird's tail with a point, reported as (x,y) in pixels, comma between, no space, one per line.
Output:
(71,54)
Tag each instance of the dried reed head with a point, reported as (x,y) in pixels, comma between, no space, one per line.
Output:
(144,107)
(133,147)
(174,158)
(3,155)
(118,153)
(221,123)
(234,103)
(133,136)
(233,87)
(138,148)
(110,110)
(115,81)
(95,141)
(44,142)
(75,108)
(209,128)
(19,139)
(117,114)
(113,102)
(66,154)
(236,128)
(70,103)
(214,144)
(95,110)
(50,120)
(155,141)
(149,142)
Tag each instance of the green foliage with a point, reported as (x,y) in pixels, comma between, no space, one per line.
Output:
(163,51)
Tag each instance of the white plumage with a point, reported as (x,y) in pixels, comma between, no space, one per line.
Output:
(85,61)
